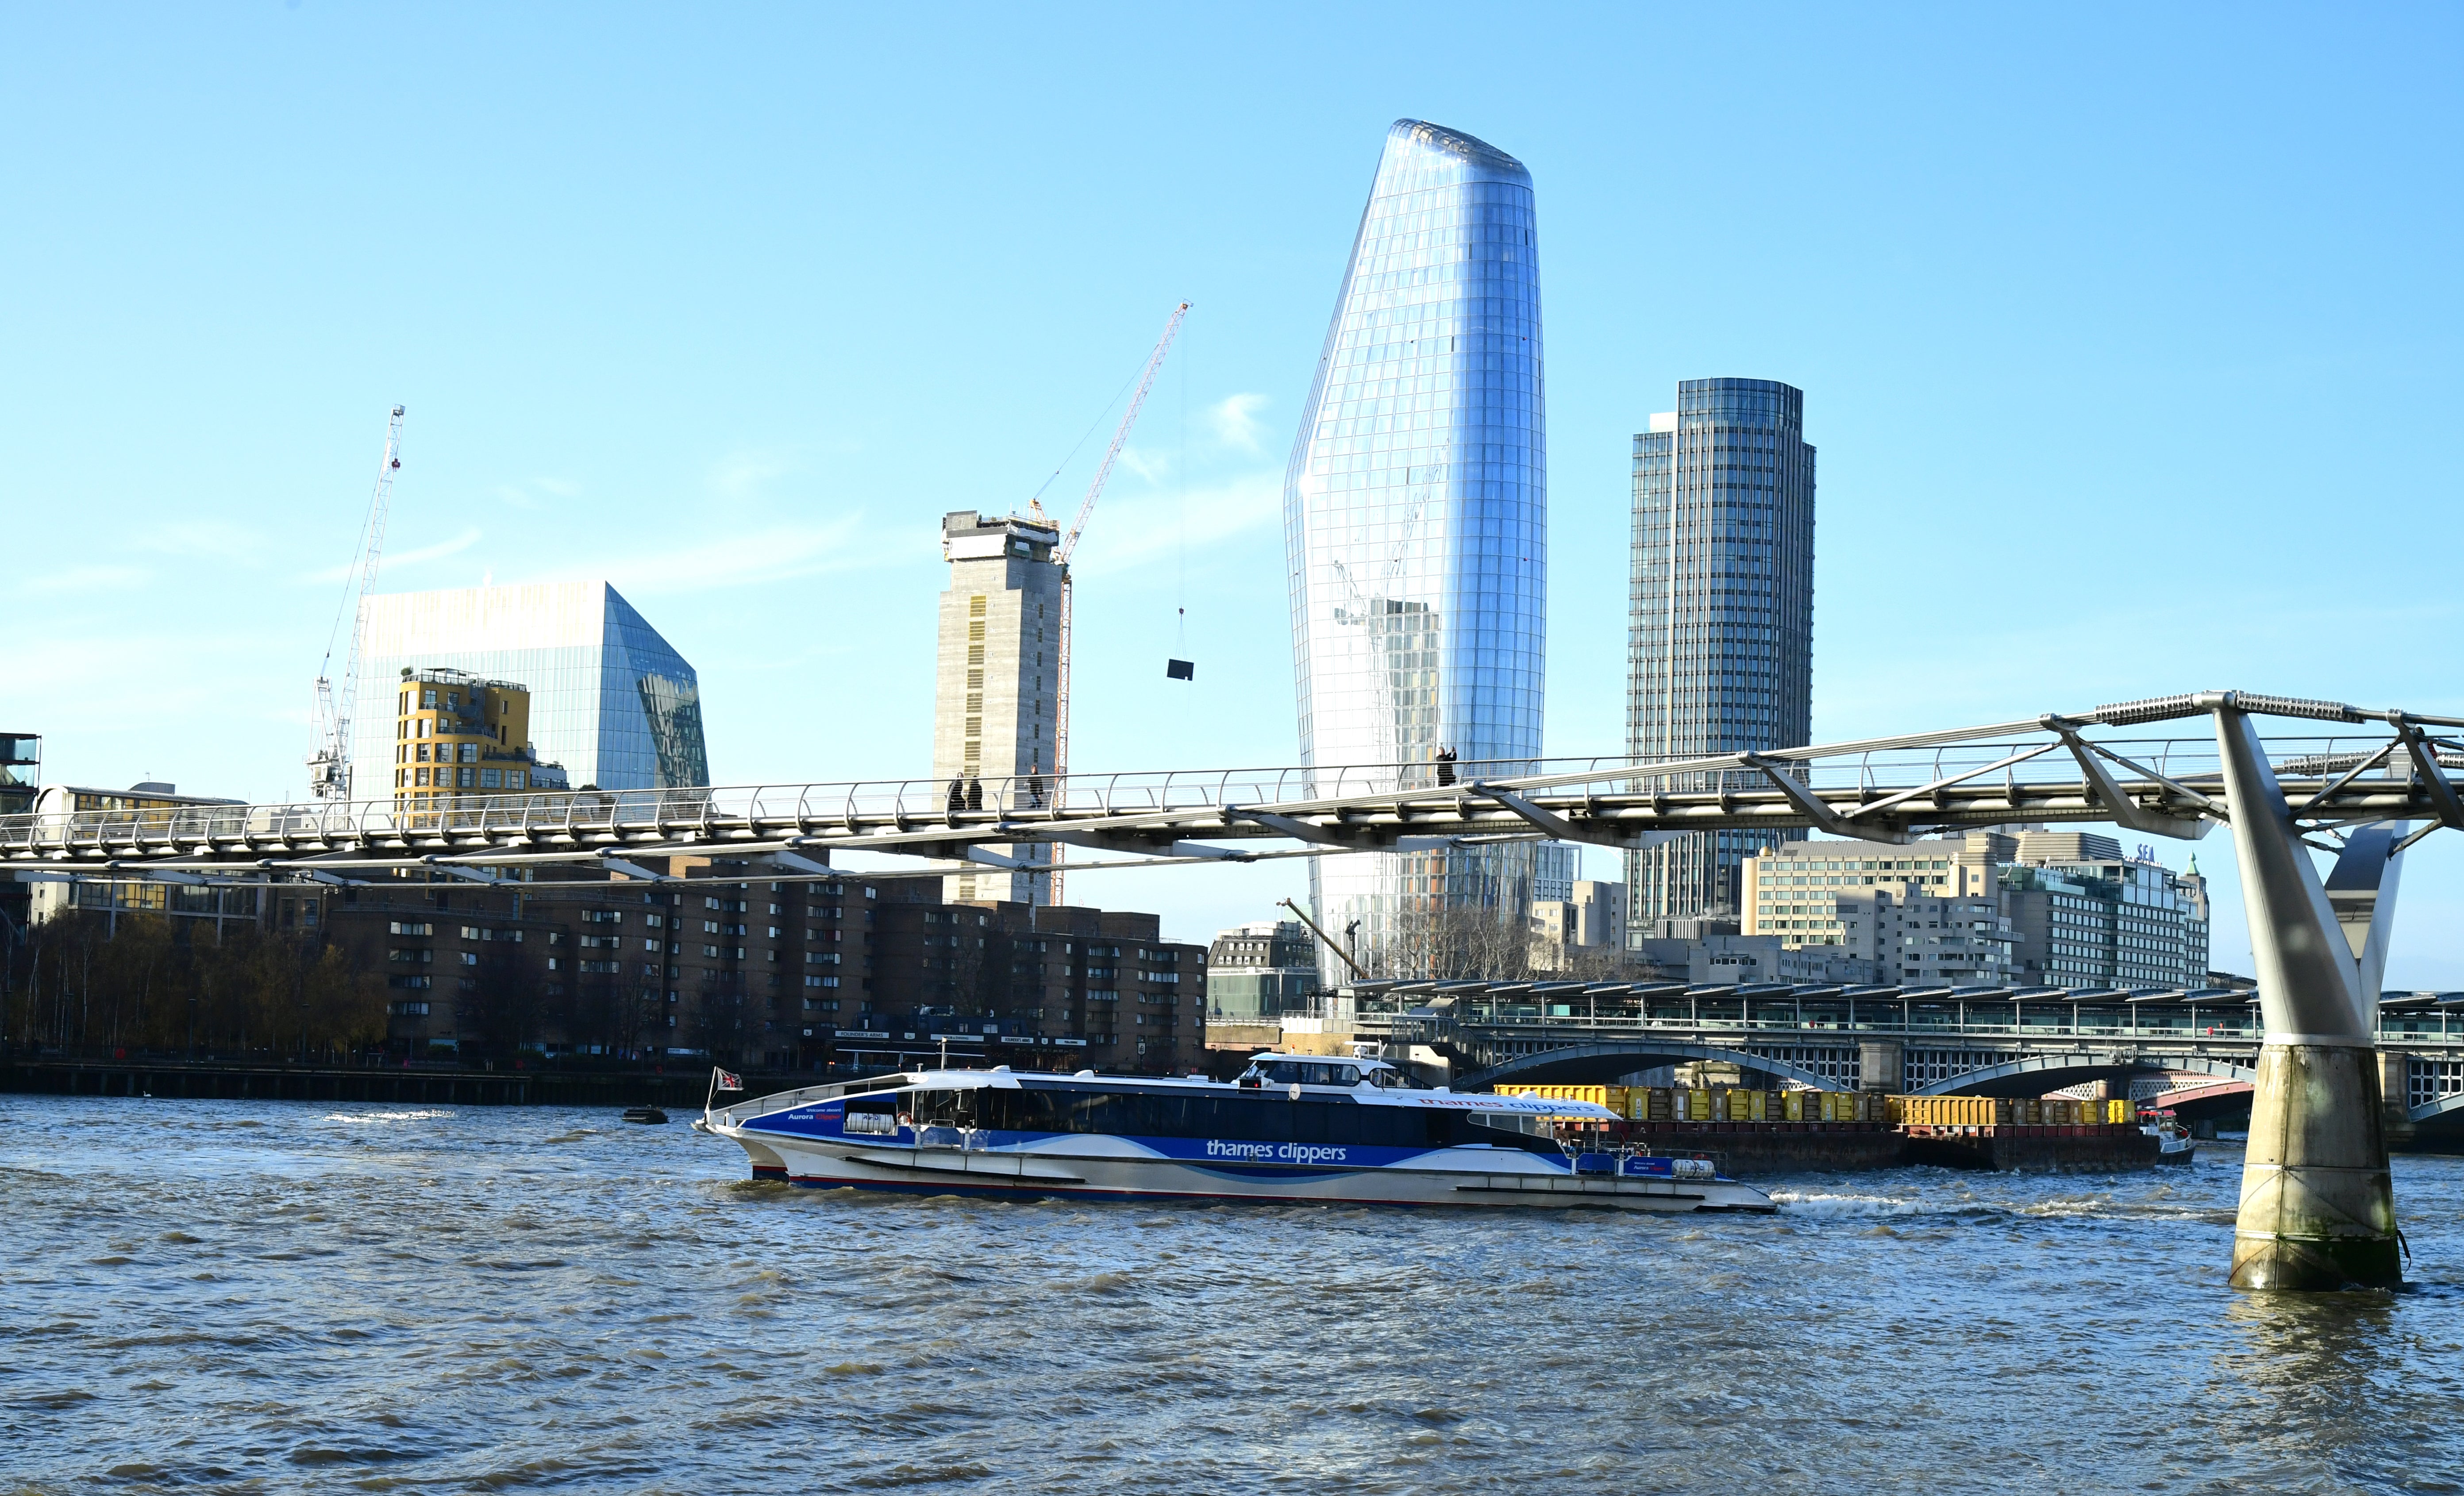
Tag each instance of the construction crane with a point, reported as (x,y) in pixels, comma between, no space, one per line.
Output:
(1340,953)
(329,767)
(1069,544)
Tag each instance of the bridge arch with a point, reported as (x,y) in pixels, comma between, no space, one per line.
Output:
(2034,1074)
(1598,1063)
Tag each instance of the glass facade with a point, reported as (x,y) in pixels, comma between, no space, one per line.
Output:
(1720,625)
(1415,522)
(610,700)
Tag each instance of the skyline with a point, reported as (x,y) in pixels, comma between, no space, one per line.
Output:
(2076,333)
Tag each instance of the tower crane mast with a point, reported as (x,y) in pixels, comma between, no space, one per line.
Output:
(1069,545)
(329,767)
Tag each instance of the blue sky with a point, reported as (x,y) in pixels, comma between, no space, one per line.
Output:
(2129,336)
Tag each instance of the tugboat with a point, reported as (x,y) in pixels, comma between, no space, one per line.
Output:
(1292,1129)
(2173,1141)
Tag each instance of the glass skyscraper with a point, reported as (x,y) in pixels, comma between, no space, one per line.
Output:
(1720,630)
(610,700)
(1415,524)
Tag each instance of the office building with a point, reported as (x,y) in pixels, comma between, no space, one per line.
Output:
(2108,923)
(458,737)
(1720,628)
(997,688)
(610,700)
(217,907)
(1258,971)
(1589,920)
(1555,868)
(2025,906)
(1416,523)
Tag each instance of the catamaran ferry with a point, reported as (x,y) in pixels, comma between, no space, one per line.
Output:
(1292,1129)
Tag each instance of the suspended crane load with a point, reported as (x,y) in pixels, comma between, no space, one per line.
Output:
(1069,545)
(329,767)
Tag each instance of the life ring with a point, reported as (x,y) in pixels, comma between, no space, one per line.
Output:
(906,1119)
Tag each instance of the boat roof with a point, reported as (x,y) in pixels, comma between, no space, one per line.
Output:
(1002,1078)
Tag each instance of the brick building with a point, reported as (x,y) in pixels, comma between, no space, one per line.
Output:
(740,968)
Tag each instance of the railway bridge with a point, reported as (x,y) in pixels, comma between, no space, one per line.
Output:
(2196,1051)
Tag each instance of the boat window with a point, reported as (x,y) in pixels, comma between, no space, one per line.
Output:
(946,1107)
(1253,1116)
(1311,1072)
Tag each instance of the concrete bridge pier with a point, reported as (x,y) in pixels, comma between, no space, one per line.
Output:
(1879,1065)
(2318,1205)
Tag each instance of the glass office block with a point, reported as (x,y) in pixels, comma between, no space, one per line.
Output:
(1415,524)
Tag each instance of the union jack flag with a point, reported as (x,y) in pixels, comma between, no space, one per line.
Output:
(728,1081)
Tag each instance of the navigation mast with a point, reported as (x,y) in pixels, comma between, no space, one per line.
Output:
(329,767)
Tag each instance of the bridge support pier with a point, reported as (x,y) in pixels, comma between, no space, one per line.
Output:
(1880,1065)
(2318,1205)
(2395,1098)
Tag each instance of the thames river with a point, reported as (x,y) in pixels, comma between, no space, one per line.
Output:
(216,1296)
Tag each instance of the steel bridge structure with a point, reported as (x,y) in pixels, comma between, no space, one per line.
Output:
(2317,1207)
(1920,1041)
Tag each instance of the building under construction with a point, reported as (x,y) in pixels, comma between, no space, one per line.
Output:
(996,695)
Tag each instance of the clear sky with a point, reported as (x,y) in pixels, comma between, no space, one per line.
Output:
(2129,336)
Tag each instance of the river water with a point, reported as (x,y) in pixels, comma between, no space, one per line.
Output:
(209,1296)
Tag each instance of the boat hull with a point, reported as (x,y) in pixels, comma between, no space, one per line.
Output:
(1450,1177)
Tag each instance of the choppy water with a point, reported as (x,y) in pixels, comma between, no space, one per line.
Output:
(270,1296)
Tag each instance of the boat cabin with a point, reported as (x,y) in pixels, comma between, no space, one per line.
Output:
(1309,1069)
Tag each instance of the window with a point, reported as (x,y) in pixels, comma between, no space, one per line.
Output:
(609,916)
(411,927)
(415,955)
(469,958)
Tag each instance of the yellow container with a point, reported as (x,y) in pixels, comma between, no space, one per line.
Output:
(1626,1101)
(1697,1104)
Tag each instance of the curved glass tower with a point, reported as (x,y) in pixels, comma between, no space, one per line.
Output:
(1415,532)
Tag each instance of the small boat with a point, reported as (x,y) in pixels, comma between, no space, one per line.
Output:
(2173,1141)
(644,1114)
(1291,1130)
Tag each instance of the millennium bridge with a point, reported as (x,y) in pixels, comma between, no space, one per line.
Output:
(2317,1207)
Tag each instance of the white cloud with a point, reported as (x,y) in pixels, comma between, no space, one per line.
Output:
(395,559)
(528,495)
(748,558)
(206,538)
(1235,421)
(741,473)
(1216,513)
(85,579)
(1155,467)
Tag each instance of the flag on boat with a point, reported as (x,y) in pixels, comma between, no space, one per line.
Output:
(729,1082)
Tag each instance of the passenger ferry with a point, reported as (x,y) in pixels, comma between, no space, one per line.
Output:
(1292,1129)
